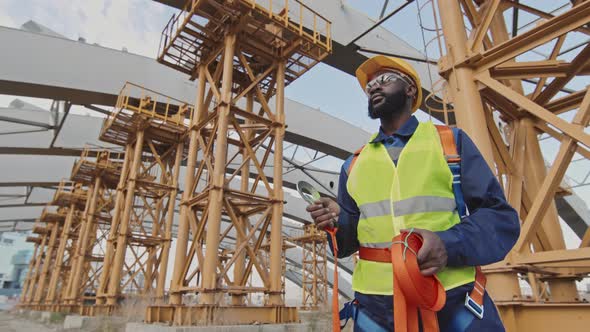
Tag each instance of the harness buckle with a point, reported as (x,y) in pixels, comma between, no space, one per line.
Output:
(473,306)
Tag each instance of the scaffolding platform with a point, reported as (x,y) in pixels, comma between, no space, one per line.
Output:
(34,239)
(48,216)
(311,234)
(41,230)
(69,193)
(271,30)
(163,119)
(93,163)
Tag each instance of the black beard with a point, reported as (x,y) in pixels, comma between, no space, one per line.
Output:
(391,105)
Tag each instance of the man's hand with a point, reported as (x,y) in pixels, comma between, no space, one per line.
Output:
(432,257)
(324,212)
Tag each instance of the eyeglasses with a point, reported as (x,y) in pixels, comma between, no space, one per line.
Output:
(386,78)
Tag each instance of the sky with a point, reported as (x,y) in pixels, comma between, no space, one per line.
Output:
(136,25)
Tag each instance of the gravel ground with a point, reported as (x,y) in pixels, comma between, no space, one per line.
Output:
(13,322)
(10,322)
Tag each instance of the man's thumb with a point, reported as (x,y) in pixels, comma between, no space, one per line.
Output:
(325,201)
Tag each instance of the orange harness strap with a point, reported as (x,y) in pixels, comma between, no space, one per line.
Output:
(473,300)
(447,140)
(412,291)
(335,306)
(415,292)
(354,158)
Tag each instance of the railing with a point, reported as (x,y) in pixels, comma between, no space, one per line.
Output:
(296,16)
(145,101)
(175,24)
(65,186)
(101,155)
(292,14)
(68,188)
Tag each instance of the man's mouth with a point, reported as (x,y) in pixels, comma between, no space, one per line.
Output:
(376,98)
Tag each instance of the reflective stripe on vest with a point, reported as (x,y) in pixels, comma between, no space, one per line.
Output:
(408,206)
(416,193)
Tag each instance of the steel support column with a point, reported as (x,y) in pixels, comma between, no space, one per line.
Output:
(489,68)
(218,178)
(40,289)
(463,88)
(253,54)
(56,273)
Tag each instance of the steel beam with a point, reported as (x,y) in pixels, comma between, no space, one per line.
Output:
(26,122)
(544,317)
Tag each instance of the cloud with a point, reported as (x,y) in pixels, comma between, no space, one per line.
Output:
(6,20)
(133,24)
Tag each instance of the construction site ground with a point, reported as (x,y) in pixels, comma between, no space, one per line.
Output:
(31,321)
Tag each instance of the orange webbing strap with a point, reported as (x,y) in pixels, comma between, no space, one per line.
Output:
(381,255)
(413,291)
(447,140)
(335,306)
(474,300)
(354,158)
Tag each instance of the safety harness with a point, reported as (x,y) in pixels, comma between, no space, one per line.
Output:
(413,292)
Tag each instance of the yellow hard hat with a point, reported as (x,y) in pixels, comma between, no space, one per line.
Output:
(380,62)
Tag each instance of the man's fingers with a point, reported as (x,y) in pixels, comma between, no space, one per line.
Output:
(429,271)
(418,231)
(320,212)
(324,224)
(424,252)
(324,217)
(324,201)
(428,264)
(313,207)
(429,256)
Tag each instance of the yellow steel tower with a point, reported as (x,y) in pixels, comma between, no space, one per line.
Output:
(242,53)
(486,67)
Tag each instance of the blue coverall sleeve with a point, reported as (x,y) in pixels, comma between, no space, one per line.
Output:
(491,229)
(346,237)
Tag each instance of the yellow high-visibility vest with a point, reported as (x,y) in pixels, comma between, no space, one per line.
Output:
(417,193)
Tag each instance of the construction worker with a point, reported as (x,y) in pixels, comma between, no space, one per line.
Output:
(400,182)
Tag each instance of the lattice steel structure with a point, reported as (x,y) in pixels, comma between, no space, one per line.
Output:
(100,171)
(31,277)
(37,274)
(238,50)
(72,197)
(52,261)
(487,69)
(152,129)
(265,259)
(51,231)
(314,284)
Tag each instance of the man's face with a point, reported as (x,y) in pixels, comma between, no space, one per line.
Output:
(387,94)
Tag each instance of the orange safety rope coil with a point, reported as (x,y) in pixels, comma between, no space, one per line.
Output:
(412,290)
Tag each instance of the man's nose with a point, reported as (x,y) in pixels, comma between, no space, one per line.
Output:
(374,88)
